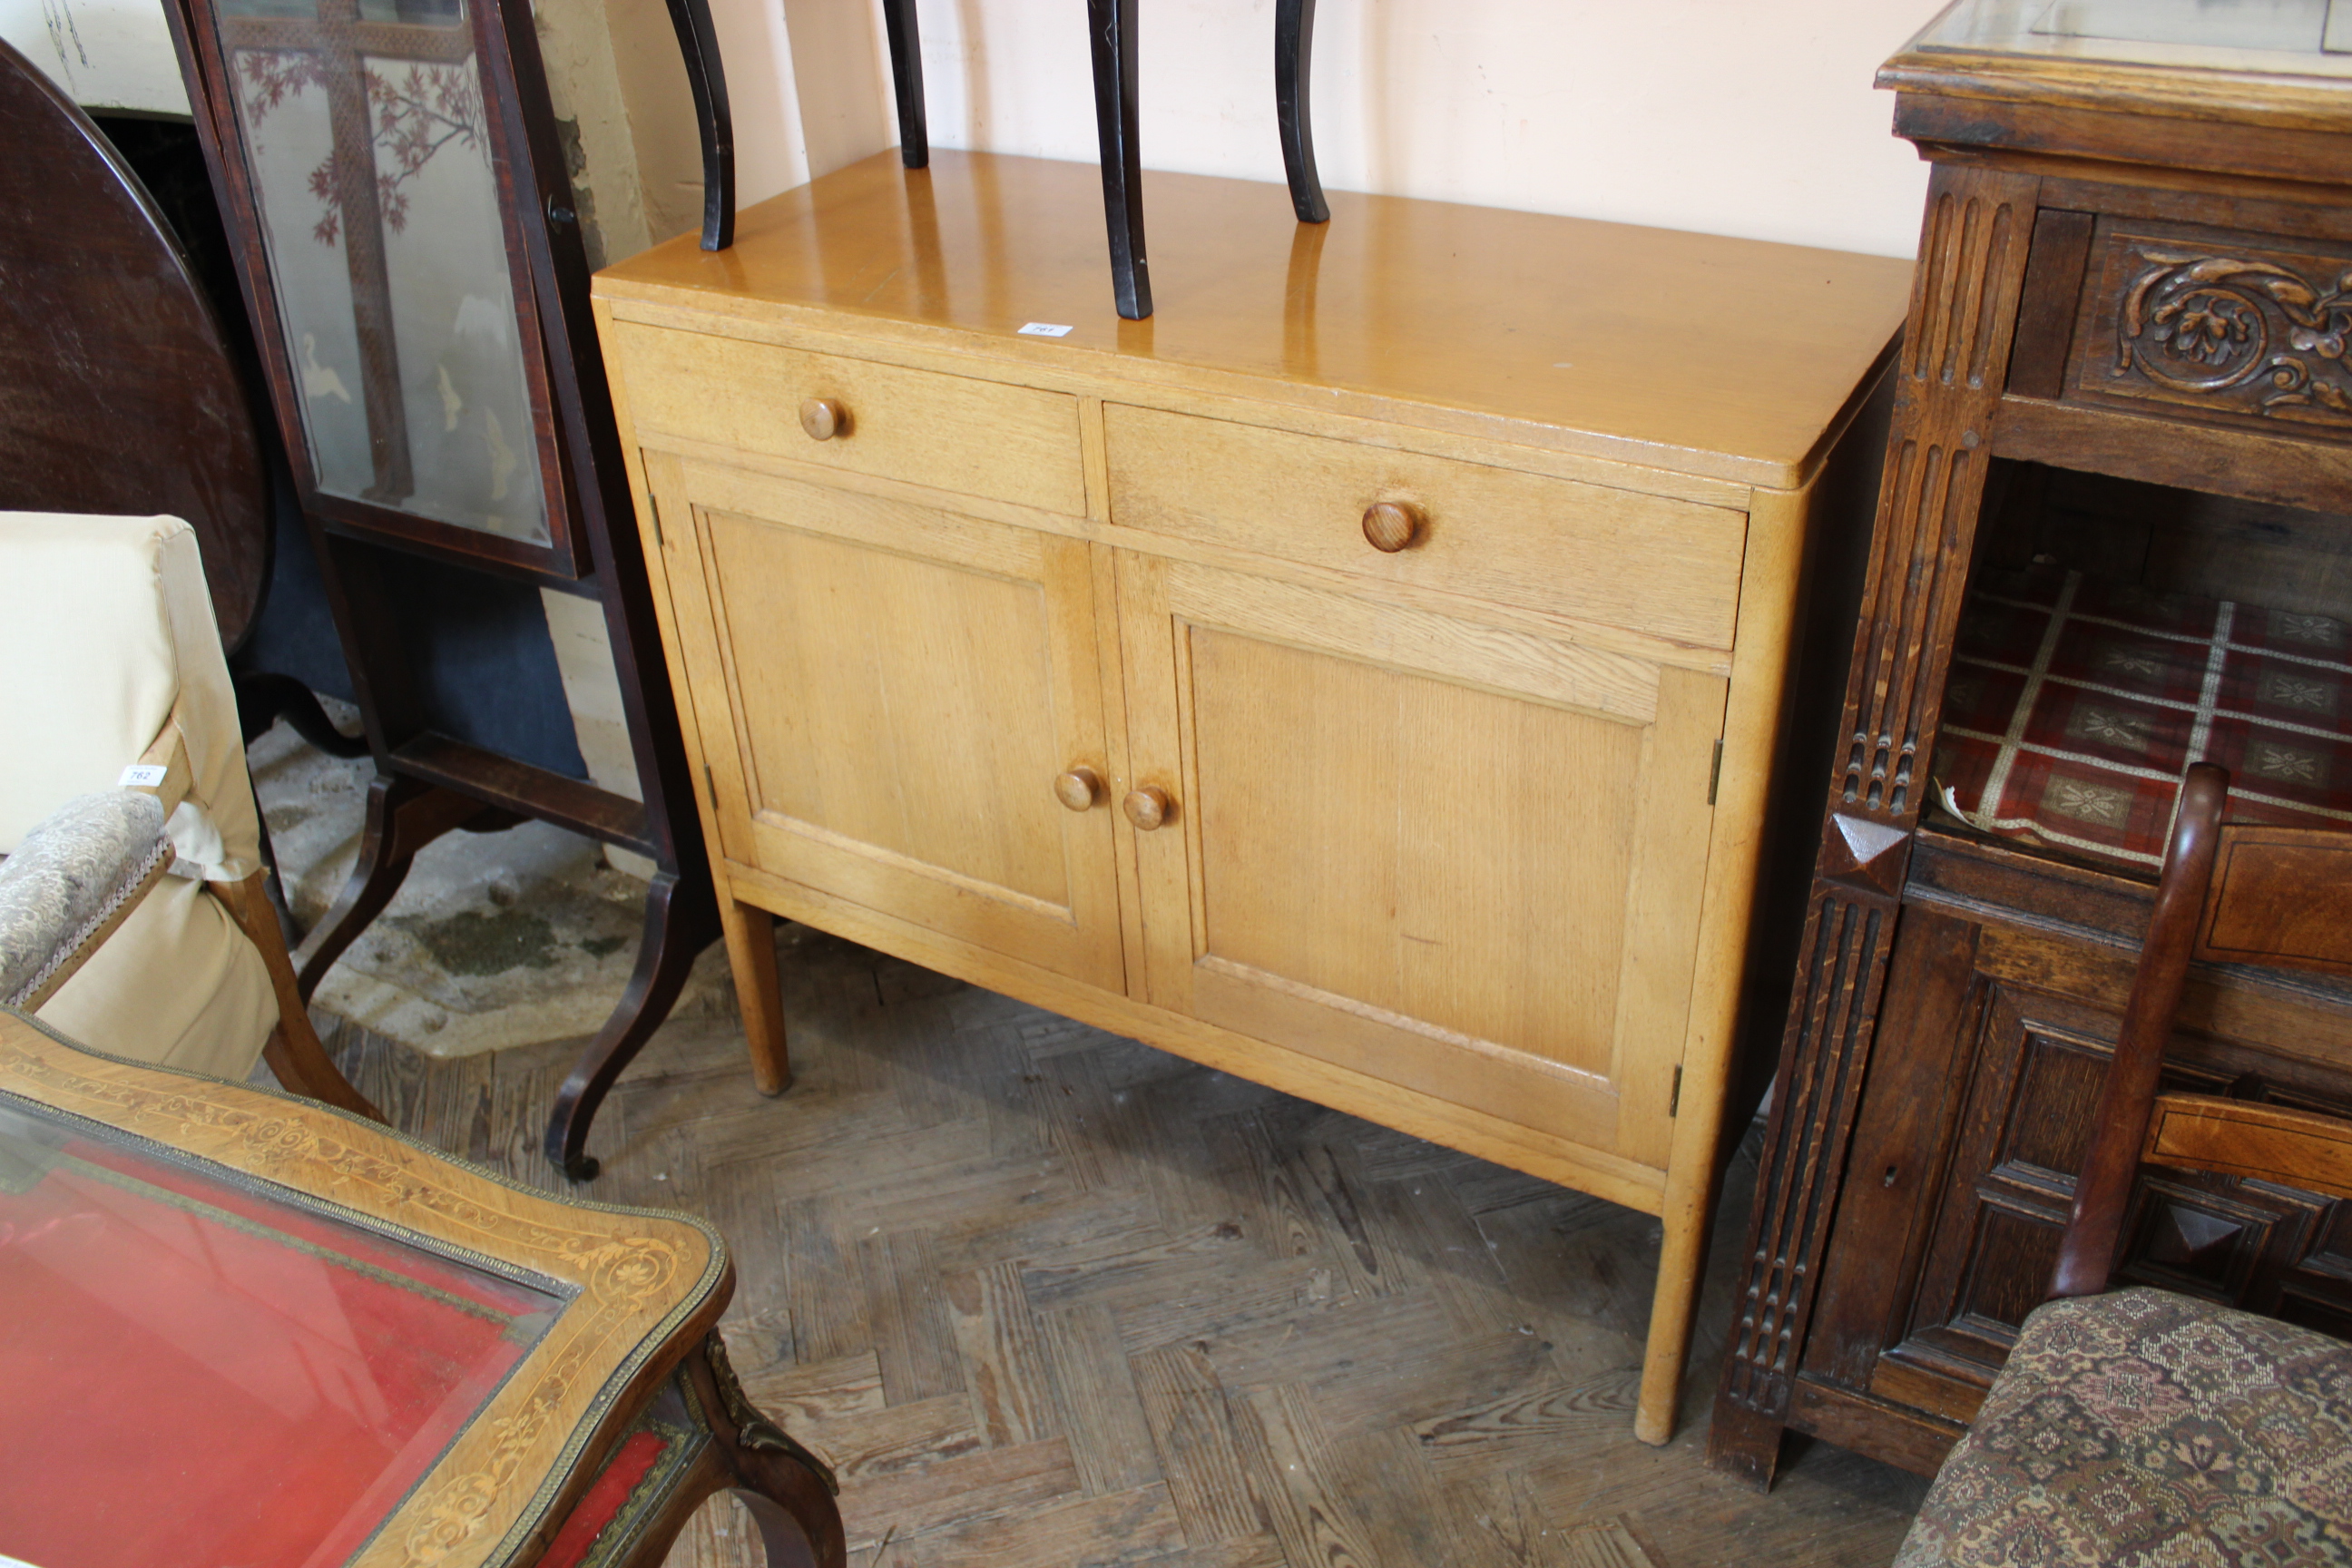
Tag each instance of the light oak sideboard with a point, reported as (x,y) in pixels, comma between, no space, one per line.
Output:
(1367,675)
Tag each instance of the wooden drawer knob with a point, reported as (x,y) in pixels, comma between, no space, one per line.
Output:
(1079,789)
(1149,807)
(1394,525)
(825,417)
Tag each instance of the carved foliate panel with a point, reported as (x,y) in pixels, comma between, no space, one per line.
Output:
(2249,334)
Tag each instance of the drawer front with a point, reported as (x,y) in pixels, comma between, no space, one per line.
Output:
(2229,329)
(948,432)
(1670,568)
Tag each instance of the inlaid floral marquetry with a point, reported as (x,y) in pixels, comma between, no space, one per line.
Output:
(2253,331)
(636,1288)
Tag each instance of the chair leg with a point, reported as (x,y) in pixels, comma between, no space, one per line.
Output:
(906,82)
(1293,52)
(681,920)
(1111,26)
(274,884)
(293,1050)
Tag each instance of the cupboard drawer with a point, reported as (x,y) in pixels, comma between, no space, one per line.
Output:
(948,432)
(2225,329)
(1650,564)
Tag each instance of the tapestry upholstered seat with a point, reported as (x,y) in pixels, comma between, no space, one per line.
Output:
(2144,1426)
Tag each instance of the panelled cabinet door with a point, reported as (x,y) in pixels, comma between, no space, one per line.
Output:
(1464,859)
(909,695)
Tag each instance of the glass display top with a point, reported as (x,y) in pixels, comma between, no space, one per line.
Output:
(195,1372)
(2284,38)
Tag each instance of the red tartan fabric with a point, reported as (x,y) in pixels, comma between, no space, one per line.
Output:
(2075,705)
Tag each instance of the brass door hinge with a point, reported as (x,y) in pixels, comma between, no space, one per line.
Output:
(1674,1097)
(652,509)
(1714,772)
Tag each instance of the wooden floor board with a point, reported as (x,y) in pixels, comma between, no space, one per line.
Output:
(1048,1296)
(1101,1409)
(1316,1514)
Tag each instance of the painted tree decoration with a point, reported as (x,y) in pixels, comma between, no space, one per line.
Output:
(413,118)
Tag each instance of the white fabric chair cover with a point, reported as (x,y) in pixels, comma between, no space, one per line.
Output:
(105,624)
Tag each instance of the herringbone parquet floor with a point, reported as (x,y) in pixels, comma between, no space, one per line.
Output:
(1048,1296)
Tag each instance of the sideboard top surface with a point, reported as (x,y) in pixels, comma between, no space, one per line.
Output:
(1729,358)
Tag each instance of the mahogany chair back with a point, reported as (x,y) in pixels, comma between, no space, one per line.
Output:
(2235,893)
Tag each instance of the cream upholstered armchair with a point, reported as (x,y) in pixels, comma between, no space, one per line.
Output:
(132,916)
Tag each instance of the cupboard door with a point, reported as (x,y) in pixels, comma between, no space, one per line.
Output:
(907,691)
(1948,1232)
(1463,859)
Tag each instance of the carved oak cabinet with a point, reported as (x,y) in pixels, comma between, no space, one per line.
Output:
(2111,540)
(1365,675)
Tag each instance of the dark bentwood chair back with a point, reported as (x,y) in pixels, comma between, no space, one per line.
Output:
(2234,894)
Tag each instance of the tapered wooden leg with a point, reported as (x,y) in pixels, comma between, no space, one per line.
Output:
(906,82)
(1111,24)
(1671,1308)
(752,954)
(1294,51)
(293,1049)
(681,920)
(403,817)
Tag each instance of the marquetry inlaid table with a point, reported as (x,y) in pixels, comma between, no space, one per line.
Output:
(247,1329)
